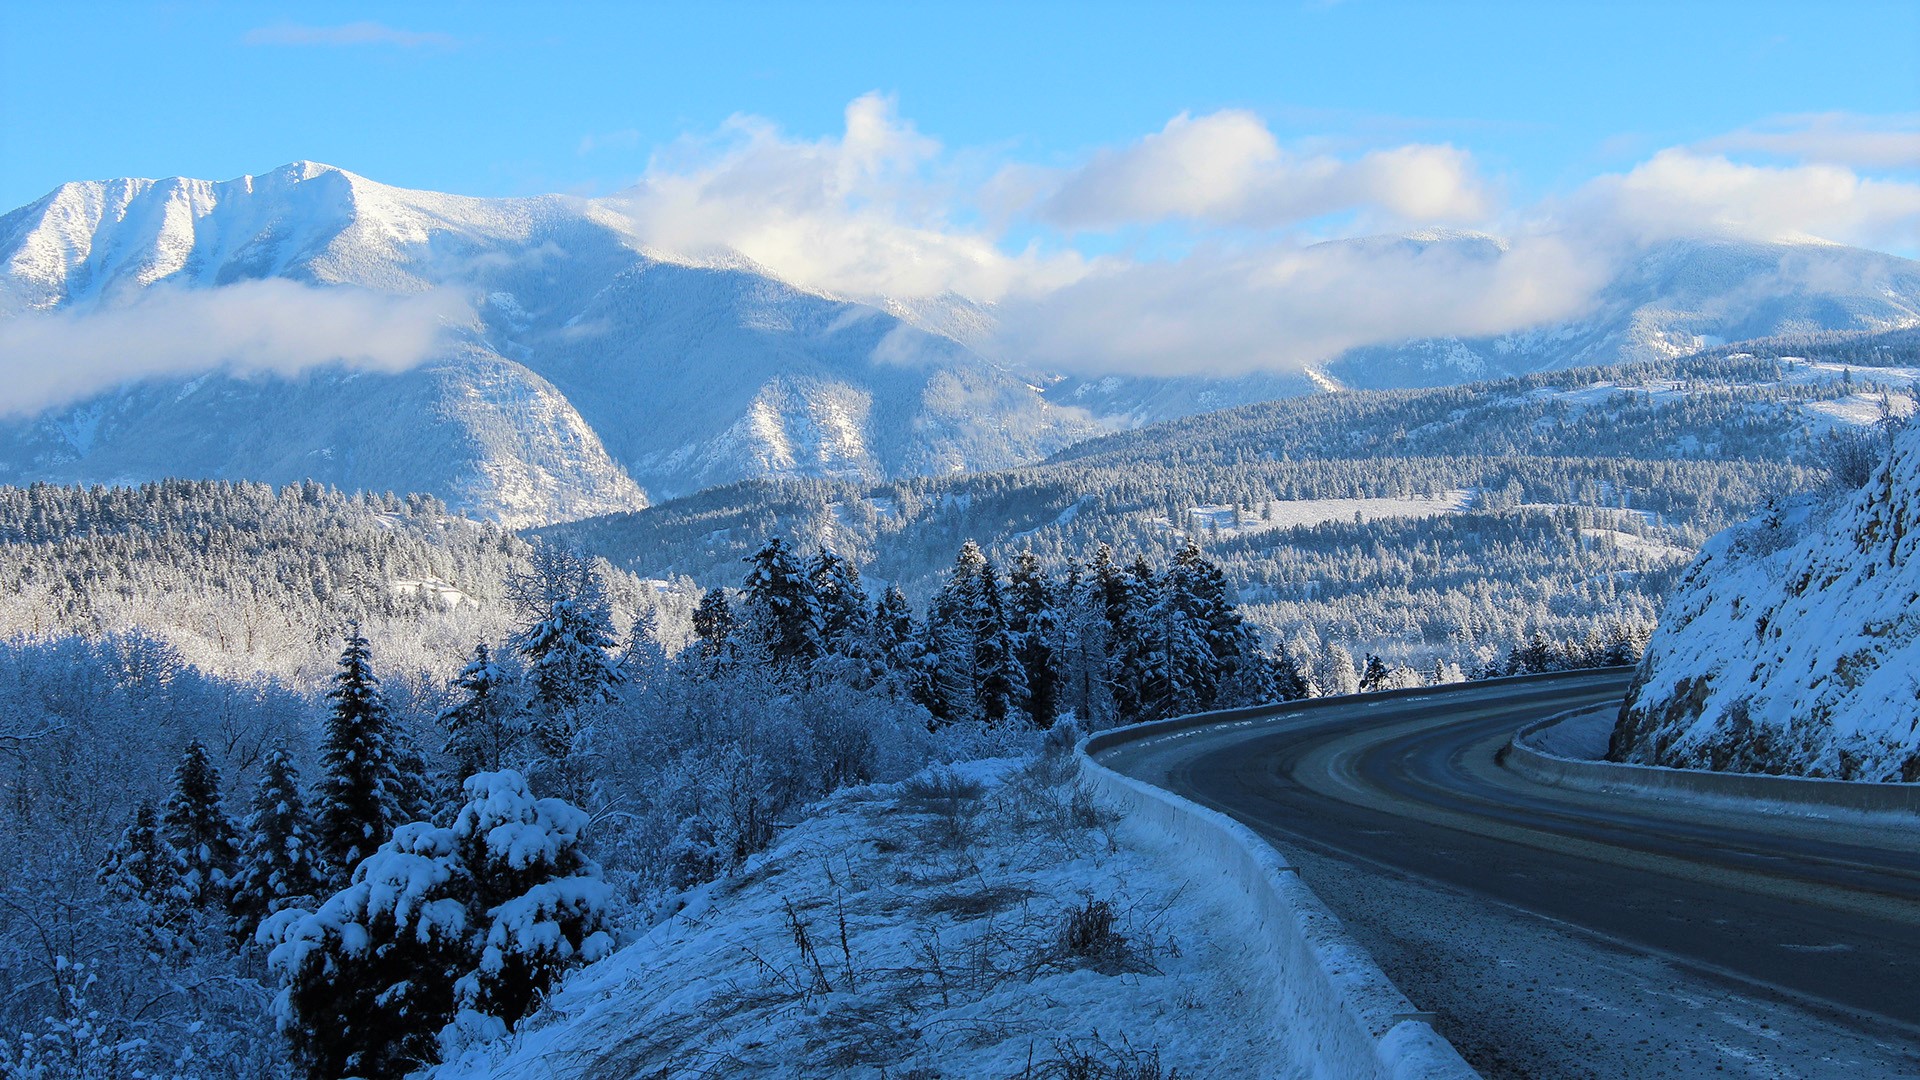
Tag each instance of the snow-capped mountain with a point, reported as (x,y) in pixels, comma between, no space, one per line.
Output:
(1793,642)
(1672,300)
(592,373)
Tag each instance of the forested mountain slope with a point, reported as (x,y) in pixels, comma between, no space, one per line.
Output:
(1448,521)
(1792,644)
(242,579)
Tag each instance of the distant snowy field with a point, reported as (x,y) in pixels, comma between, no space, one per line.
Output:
(1290,513)
(927,929)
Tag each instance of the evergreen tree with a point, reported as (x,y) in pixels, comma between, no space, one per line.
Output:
(1035,622)
(484,726)
(478,918)
(781,607)
(359,790)
(841,602)
(713,625)
(198,828)
(144,871)
(1122,611)
(278,866)
(1290,680)
(1376,676)
(1000,685)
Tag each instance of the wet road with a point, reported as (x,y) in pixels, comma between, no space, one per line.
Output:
(1406,793)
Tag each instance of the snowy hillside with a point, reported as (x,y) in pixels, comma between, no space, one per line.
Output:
(590,374)
(981,921)
(1792,644)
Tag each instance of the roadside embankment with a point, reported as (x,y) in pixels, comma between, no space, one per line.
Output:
(1327,990)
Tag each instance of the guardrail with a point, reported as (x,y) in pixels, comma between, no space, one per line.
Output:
(1799,795)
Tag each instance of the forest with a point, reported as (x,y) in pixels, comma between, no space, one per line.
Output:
(205,870)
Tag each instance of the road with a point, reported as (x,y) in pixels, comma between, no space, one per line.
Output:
(1558,933)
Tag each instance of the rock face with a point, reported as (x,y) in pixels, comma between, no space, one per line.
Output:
(1793,643)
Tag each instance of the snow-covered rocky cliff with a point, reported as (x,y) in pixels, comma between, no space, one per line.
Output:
(1793,643)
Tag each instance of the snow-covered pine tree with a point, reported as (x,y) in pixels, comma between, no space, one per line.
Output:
(841,601)
(1122,609)
(1034,619)
(643,660)
(713,625)
(535,896)
(569,665)
(143,871)
(278,849)
(359,789)
(1150,657)
(781,609)
(198,828)
(1290,679)
(1000,685)
(1337,674)
(486,724)
(895,642)
(1084,669)
(1375,676)
(444,934)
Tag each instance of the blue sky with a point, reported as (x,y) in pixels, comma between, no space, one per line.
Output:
(1135,187)
(495,99)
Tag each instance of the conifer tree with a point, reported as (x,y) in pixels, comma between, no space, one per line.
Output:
(1000,686)
(278,866)
(713,625)
(1035,622)
(477,918)
(1375,676)
(198,828)
(1290,679)
(781,608)
(841,602)
(144,870)
(359,789)
(484,725)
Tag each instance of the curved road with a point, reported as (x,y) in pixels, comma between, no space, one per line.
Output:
(1566,933)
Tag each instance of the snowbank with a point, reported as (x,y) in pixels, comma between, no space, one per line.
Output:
(1326,990)
(1792,644)
(987,922)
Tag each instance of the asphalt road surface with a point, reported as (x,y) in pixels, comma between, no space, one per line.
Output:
(1561,933)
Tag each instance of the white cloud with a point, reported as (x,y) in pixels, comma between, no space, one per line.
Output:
(884,210)
(1864,142)
(1680,192)
(273,327)
(350,34)
(1229,312)
(862,214)
(1226,168)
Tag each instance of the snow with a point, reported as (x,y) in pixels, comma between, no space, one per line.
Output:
(1292,513)
(931,914)
(1793,645)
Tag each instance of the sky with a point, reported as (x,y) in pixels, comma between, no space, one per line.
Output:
(1100,157)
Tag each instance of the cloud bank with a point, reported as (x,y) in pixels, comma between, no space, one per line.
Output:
(257,327)
(1208,253)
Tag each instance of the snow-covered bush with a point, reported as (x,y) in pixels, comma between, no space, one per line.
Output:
(468,923)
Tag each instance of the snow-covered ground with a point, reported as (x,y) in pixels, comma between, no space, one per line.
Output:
(1227,520)
(1792,643)
(955,925)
